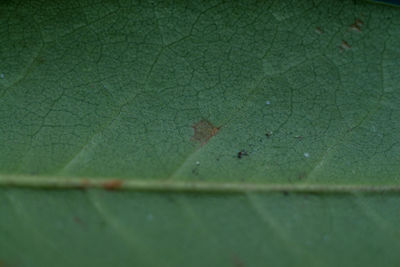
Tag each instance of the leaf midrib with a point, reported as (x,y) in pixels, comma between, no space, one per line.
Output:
(57,182)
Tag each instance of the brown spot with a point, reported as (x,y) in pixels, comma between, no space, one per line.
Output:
(344,45)
(237,262)
(112,184)
(85,183)
(301,175)
(318,30)
(6,264)
(79,221)
(203,131)
(268,134)
(356,26)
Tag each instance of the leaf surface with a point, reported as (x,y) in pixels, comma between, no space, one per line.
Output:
(244,133)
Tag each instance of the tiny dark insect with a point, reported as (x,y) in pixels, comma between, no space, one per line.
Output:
(242,153)
(268,134)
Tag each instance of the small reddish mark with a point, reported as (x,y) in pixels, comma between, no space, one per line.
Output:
(112,184)
(4,264)
(79,221)
(237,262)
(203,131)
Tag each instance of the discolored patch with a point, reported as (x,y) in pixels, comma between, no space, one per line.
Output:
(356,26)
(203,131)
(344,45)
(84,184)
(112,184)
(301,175)
(78,220)
(236,261)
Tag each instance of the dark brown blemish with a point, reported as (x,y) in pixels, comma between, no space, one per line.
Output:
(344,45)
(203,131)
(237,262)
(112,184)
(242,153)
(318,30)
(268,134)
(355,28)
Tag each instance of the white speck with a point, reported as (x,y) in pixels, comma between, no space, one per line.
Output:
(267,102)
(2,75)
(197,163)
(306,154)
(150,217)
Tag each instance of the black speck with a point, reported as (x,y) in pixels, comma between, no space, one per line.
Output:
(242,153)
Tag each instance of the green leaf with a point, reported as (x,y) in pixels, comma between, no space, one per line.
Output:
(199,133)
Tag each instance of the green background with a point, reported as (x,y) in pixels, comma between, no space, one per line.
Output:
(98,90)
